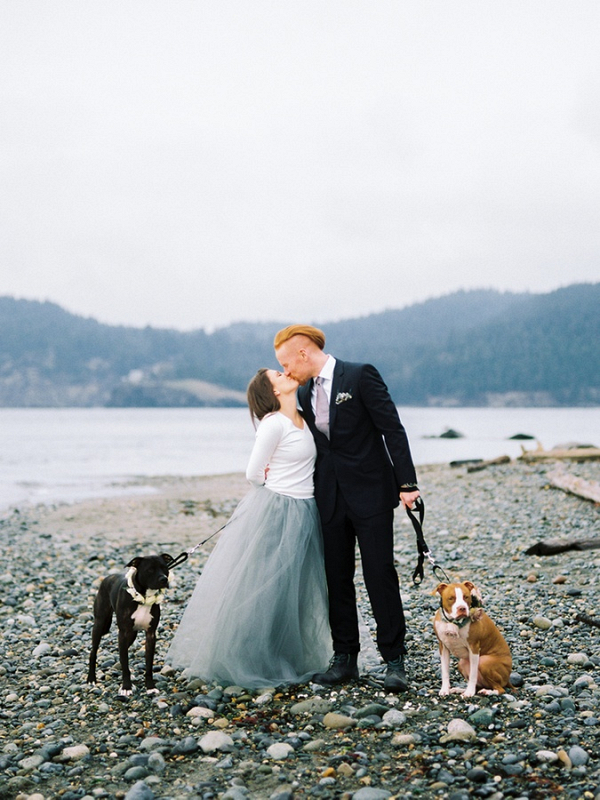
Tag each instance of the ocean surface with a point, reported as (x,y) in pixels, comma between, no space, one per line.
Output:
(51,455)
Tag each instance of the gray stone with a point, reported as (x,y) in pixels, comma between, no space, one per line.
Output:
(280,751)
(313,705)
(135,774)
(31,762)
(235,793)
(156,763)
(477,775)
(371,793)
(459,730)
(186,746)
(341,721)
(376,709)
(546,756)
(140,791)
(578,659)
(483,717)
(543,623)
(216,740)
(579,757)
(394,718)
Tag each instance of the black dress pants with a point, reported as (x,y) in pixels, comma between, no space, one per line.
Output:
(375,536)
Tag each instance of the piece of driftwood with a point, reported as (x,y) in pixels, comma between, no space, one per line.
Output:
(589,490)
(490,463)
(464,462)
(588,620)
(560,454)
(551,547)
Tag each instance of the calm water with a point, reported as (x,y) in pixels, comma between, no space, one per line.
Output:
(67,454)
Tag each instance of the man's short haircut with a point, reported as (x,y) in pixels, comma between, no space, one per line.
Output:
(314,334)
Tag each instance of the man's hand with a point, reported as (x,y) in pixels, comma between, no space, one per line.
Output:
(408,498)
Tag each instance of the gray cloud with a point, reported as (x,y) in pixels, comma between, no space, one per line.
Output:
(193,164)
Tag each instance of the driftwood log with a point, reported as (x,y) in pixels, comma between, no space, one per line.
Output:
(560,454)
(551,547)
(588,620)
(492,462)
(589,490)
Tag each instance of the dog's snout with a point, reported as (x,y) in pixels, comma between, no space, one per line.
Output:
(461,610)
(163,580)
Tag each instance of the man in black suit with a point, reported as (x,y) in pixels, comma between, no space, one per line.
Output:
(363,471)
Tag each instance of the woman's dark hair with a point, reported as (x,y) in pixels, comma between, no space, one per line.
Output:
(261,398)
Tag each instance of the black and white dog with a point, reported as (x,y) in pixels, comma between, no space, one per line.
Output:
(134,597)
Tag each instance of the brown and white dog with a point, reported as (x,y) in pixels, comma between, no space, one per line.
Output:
(464,630)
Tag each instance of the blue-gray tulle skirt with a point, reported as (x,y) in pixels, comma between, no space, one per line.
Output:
(258,616)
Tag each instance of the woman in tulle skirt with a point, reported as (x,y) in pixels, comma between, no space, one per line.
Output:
(258,616)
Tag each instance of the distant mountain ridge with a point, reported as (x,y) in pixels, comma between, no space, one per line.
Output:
(468,348)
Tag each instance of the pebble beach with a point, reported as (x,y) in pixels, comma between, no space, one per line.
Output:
(60,738)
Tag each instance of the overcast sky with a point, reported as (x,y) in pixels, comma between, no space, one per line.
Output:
(189,164)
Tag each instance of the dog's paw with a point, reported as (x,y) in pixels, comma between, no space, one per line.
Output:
(469,693)
(153,690)
(488,691)
(125,692)
(444,691)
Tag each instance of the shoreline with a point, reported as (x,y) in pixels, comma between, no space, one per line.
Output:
(59,737)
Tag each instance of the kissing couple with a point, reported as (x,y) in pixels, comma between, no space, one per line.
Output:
(331,461)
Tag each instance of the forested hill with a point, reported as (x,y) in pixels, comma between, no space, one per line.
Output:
(467,348)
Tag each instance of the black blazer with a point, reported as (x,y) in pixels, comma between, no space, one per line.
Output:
(367,456)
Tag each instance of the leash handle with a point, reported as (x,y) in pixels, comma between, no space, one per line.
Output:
(179,560)
(182,557)
(423,550)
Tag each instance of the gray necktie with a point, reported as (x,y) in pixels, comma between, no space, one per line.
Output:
(321,408)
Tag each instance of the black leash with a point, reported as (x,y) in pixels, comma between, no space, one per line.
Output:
(424,551)
(182,557)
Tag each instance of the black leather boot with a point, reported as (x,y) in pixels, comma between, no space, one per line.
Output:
(395,678)
(342,668)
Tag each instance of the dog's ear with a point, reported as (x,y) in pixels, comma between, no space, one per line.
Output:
(440,588)
(167,558)
(135,562)
(476,598)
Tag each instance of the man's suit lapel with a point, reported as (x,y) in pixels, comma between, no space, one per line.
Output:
(338,380)
(304,396)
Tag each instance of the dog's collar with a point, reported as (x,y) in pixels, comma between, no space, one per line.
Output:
(460,623)
(151,597)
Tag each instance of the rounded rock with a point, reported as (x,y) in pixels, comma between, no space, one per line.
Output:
(546,756)
(280,751)
(477,775)
(156,763)
(459,730)
(140,791)
(216,740)
(340,721)
(543,623)
(579,757)
(371,793)
(314,705)
(394,718)
(75,753)
(578,659)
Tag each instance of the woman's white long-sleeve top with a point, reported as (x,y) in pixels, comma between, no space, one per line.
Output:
(288,452)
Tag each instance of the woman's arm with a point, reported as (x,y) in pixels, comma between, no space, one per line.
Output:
(268,437)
